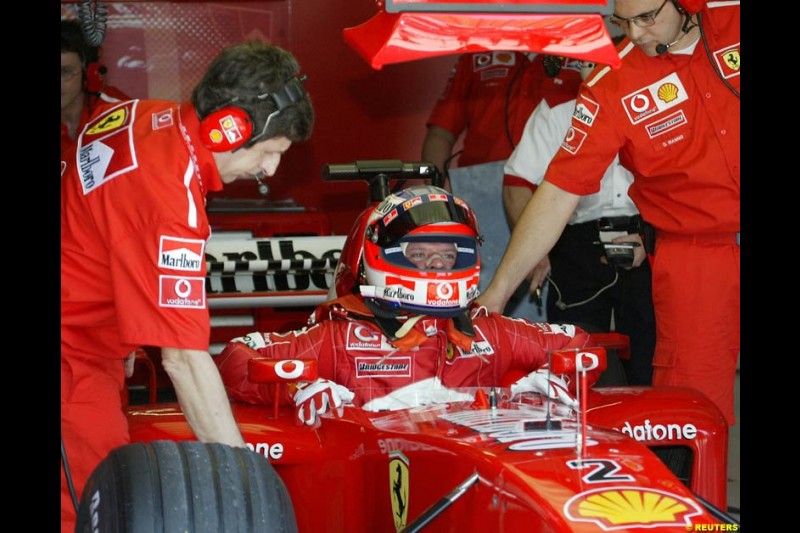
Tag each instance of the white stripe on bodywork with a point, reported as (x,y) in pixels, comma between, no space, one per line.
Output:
(187,181)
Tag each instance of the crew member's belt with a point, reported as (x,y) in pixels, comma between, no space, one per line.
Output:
(630,224)
(702,238)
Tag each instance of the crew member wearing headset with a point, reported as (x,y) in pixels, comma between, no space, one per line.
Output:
(133,235)
(83,85)
(487,99)
(671,112)
(585,286)
(407,333)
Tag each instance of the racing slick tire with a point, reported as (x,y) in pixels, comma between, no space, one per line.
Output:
(169,486)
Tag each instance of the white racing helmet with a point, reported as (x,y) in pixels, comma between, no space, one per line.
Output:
(420,214)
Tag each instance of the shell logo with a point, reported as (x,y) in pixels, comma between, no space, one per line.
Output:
(623,507)
(668,92)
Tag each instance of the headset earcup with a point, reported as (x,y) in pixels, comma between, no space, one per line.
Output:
(226,129)
(94,77)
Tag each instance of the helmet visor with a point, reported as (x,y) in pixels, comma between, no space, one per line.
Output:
(422,211)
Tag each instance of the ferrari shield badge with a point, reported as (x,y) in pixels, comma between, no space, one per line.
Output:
(398,488)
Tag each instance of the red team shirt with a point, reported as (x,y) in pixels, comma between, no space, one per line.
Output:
(476,99)
(133,268)
(675,126)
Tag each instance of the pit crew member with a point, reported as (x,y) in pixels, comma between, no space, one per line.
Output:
(407,334)
(671,111)
(133,236)
(83,87)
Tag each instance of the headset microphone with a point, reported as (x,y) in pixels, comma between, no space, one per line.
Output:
(662,48)
(263,188)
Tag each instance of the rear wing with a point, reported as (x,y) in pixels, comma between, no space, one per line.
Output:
(407,30)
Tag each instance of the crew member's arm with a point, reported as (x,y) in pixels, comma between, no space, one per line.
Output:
(516,194)
(537,230)
(201,395)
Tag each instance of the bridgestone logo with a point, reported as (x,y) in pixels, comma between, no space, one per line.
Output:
(371,367)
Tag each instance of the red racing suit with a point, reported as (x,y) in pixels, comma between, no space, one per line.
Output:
(674,120)
(353,352)
(133,235)
(487,90)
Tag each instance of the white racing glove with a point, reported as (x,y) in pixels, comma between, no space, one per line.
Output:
(319,397)
(255,340)
(551,385)
(423,392)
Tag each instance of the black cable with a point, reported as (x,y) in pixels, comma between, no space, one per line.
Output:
(507,105)
(68,476)
(94,18)
(711,59)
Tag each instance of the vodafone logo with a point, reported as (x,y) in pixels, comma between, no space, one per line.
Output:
(364,334)
(573,140)
(362,338)
(444,291)
(442,294)
(178,291)
(640,103)
(162,119)
(289,369)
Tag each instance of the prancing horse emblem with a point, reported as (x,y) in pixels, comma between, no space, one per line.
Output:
(398,487)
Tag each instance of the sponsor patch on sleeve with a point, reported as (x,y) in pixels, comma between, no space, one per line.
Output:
(585,110)
(106,149)
(573,140)
(657,97)
(162,119)
(176,253)
(182,291)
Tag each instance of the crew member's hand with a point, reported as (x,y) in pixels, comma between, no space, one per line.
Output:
(639,255)
(539,274)
(130,364)
(318,397)
(492,301)
(543,382)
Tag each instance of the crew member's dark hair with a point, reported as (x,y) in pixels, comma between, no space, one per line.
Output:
(243,71)
(72,40)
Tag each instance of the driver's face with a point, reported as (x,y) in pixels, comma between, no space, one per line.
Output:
(432,255)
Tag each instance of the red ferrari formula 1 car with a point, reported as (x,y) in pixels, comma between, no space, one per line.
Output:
(633,459)
(630,459)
